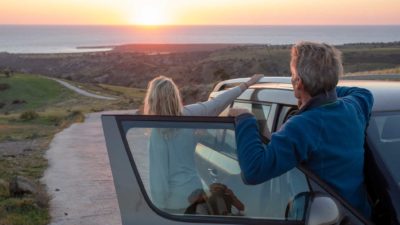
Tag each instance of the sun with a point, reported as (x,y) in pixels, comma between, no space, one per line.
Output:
(149,15)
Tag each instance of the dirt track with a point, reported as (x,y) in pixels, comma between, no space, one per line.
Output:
(82,92)
(79,178)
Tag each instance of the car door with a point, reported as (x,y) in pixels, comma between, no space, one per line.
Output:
(157,161)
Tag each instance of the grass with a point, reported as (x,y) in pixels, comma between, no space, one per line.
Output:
(36,93)
(379,72)
(22,212)
(274,60)
(128,97)
(136,94)
(48,107)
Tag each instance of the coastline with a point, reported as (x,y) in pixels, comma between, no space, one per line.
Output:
(167,48)
(52,39)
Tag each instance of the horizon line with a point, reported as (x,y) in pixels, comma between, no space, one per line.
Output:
(194,25)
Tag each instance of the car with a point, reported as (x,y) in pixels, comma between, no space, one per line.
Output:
(296,197)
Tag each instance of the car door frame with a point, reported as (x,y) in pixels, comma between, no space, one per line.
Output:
(134,202)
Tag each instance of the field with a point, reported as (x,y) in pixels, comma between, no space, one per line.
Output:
(34,108)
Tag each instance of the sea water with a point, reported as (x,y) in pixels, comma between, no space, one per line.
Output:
(55,39)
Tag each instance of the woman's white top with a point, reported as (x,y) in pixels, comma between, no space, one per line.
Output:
(173,173)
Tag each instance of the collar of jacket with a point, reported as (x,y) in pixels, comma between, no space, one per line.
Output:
(319,100)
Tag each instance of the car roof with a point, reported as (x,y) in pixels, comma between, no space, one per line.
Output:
(386,93)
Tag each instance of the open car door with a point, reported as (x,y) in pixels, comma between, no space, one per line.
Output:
(184,170)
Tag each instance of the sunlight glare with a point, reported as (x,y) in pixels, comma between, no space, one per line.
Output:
(149,14)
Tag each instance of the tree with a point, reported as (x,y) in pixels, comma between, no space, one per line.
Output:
(8,72)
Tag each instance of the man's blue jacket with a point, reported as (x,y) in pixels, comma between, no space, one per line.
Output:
(327,135)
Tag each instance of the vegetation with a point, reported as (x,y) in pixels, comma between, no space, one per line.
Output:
(29,115)
(34,108)
(197,68)
(379,72)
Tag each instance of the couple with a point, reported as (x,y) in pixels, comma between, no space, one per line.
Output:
(327,134)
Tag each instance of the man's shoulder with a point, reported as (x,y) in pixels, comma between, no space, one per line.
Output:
(304,121)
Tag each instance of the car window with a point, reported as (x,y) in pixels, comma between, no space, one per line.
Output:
(285,113)
(384,134)
(190,168)
(262,113)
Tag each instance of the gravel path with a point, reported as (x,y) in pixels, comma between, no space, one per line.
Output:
(80,91)
(79,177)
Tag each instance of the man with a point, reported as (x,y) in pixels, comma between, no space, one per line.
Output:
(326,135)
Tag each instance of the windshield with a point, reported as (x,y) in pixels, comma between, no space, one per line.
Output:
(383,132)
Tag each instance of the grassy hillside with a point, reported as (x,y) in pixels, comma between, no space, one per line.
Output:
(32,110)
(379,72)
(32,91)
(188,68)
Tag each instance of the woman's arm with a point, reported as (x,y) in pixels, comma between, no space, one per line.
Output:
(215,106)
(212,107)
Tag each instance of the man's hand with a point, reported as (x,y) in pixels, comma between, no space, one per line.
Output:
(238,111)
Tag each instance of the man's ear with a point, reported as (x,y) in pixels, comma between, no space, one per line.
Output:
(300,85)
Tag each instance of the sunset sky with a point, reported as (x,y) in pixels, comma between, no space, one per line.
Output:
(200,12)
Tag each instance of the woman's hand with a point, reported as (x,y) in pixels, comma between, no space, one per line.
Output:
(254,79)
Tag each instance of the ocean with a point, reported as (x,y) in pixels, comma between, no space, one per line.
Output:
(63,39)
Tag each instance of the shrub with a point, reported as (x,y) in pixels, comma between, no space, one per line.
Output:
(42,199)
(76,116)
(29,115)
(4,86)
(18,101)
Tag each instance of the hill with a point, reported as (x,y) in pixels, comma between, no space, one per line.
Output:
(193,67)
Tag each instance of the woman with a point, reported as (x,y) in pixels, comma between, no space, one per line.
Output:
(164,98)
(173,176)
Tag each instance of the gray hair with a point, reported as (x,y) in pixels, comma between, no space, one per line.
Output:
(319,66)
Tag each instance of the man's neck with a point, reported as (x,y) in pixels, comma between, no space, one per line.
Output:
(304,98)
(318,100)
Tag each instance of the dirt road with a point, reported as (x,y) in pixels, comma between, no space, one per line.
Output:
(79,177)
(82,92)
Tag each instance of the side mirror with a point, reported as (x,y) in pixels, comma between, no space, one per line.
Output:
(323,210)
(314,208)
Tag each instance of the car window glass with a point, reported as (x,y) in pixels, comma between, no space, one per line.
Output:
(225,112)
(384,133)
(285,113)
(262,114)
(242,105)
(192,169)
(271,116)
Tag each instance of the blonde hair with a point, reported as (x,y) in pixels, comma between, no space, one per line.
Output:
(162,98)
(319,66)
